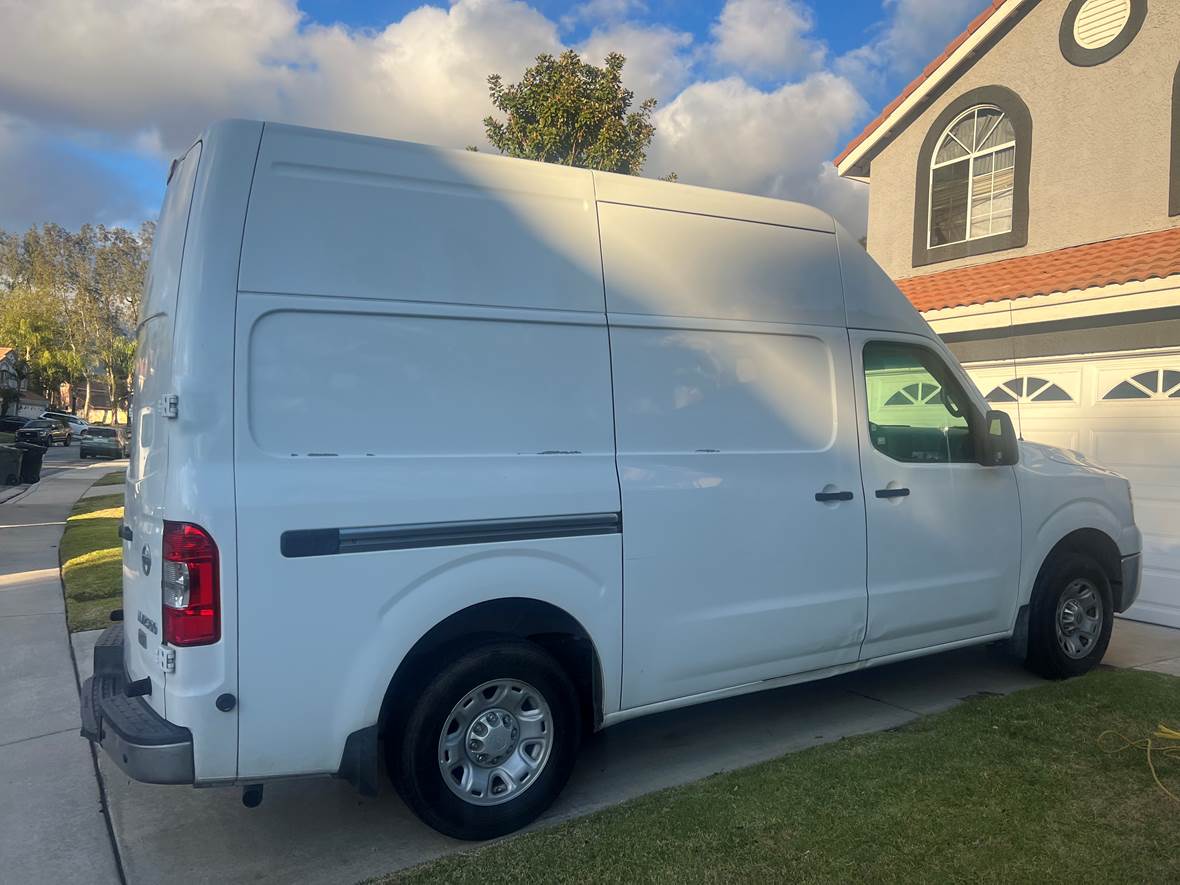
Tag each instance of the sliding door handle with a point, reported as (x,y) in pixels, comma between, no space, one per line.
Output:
(892,493)
(833,496)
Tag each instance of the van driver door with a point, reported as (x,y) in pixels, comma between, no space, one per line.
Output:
(943,530)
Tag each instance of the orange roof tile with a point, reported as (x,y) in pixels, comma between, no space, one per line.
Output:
(1125,260)
(927,72)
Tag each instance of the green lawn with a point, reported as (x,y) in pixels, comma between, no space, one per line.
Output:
(999,789)
(117,478)
(91,556)
(7,439)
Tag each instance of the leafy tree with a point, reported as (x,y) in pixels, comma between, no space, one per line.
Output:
(567,111)
(31,327)
(70,303)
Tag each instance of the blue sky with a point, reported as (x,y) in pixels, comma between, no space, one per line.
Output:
(755,95)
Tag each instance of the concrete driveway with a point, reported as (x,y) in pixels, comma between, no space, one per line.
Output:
(322,831)
(52,828)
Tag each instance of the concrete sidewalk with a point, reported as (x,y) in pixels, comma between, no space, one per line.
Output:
(52,827)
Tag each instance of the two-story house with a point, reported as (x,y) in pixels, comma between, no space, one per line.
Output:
(1025,195)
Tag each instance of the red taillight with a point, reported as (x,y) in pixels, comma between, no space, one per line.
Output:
(190,586)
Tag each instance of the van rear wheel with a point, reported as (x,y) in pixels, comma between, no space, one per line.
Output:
(489,743)
(1070,618)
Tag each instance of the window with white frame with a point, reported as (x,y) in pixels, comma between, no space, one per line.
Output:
(972,174)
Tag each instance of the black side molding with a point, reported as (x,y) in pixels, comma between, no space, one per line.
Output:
(310,542)
(367,539)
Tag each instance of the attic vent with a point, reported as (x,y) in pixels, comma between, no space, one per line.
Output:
(1099,22)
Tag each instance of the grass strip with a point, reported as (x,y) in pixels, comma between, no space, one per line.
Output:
(92,562)
(999,789)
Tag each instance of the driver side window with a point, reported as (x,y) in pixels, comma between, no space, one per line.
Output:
(917,410)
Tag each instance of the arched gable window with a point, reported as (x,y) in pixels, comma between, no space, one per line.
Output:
(971,178)
(1156,384)
(1174,195)
(972,185)
(1029,389)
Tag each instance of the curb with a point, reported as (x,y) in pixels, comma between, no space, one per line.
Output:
(16,492)
(104,804)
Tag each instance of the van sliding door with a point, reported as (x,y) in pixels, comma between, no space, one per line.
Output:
(744,524)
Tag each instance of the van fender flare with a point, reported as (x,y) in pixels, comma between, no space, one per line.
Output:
(1082,514)
(484,576)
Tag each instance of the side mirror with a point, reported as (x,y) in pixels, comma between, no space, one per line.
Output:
(1000,447)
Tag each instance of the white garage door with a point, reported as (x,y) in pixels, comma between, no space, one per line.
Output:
(1121,411)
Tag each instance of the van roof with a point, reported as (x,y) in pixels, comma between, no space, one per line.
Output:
(871,299)
(633,190)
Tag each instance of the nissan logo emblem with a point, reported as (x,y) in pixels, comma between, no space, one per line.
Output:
(145,559)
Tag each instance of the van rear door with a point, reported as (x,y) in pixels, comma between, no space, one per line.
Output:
(147,473)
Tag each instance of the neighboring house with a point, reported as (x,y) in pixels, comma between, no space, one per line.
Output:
(1025,195)
(31,404)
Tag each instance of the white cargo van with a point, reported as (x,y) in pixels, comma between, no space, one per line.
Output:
(443,459)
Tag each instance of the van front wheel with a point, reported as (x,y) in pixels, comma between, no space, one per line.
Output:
(1070,619)
(489,743)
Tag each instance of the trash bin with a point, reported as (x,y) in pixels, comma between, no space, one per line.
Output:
(30,466)
(10,459)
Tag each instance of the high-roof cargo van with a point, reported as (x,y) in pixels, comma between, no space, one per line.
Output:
(442,460)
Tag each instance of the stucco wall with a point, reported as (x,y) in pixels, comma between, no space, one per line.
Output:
(1101,140)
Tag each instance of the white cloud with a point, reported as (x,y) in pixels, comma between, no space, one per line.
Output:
(148,75)
(45,181)
(602,11)
(162,69)
(659,59)
(766,38)
(916,31)
(727,133)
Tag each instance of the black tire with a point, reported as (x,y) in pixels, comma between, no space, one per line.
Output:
(1047,655)
(412,756)
(81,455)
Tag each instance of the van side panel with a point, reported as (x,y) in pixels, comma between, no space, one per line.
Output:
(201,459)
(395,371)
(718,268)
(727,428)
(337,214)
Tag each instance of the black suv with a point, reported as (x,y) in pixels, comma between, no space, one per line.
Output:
(46,432)
(12,423)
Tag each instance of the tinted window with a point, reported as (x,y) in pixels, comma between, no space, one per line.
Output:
(105,432)
(40,422)
(917,410)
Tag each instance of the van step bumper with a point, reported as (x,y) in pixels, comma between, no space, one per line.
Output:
(142,743)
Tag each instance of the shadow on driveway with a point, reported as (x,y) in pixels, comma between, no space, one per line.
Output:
(322,831)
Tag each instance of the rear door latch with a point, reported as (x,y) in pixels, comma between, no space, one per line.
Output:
(169,405)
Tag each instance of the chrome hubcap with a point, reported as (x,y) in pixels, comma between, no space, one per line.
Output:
(1079,618)
(495,742)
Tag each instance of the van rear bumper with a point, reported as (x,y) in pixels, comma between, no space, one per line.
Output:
(146,746)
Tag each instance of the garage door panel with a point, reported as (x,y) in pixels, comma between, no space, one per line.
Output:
(1158,598)
(1139,438)
(1062,439)
(1145,448)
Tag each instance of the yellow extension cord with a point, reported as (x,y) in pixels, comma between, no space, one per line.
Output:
(1163,742)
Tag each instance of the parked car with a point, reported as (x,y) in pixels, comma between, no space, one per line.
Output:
(46,432)
(12,423)
(102,442)
(646,445)
(76,424)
